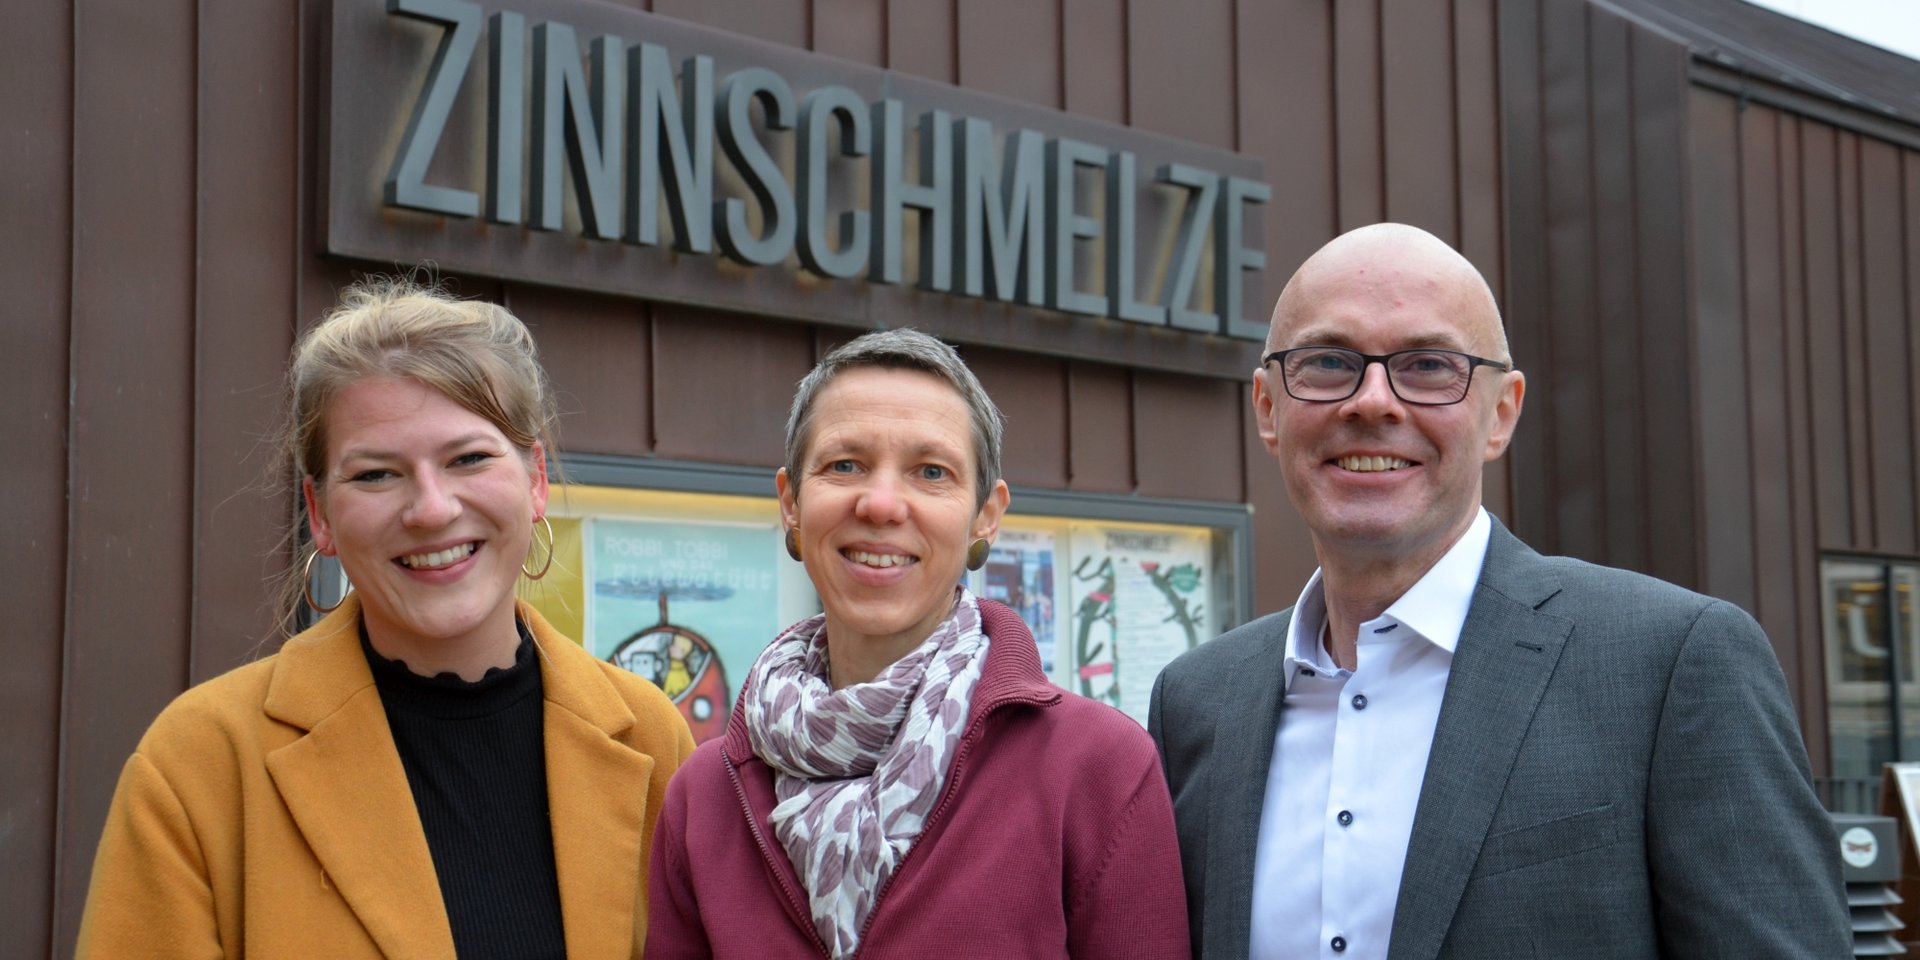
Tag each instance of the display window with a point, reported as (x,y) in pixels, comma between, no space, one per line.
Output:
(1872,641)
(685,589)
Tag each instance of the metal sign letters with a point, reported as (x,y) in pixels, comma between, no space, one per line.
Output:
(579,145)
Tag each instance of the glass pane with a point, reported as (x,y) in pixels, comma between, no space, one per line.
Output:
(687,588)
(1111,602)
(1859,714)
(1906,627)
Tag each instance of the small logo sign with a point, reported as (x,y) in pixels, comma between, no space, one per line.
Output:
(1859,848)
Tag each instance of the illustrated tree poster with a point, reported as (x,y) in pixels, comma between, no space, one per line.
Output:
(1139,600)
(686,605)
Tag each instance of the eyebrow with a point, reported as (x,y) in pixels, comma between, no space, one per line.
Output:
(465,439)
(859,445)
(1326,337)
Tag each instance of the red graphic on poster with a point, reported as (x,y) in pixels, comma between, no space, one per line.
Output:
(681,662)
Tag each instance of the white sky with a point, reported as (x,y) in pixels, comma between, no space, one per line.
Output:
(1892,24)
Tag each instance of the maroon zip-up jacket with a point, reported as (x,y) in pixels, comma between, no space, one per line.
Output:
(1053,837)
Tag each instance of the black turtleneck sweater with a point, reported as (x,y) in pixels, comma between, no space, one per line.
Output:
(477,766)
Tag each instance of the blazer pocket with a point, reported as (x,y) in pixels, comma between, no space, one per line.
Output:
(1541,842)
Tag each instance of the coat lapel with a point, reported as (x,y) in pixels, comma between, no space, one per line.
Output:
(1243,741)
(347,792)
(1506,655)
(595,794)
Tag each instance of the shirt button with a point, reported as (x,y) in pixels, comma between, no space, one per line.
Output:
(1345,818)
(1359,701)
(1339,944)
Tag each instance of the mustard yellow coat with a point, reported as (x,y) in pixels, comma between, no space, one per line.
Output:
(266,812)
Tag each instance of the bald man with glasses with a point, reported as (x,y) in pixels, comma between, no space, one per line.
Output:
(1452,746)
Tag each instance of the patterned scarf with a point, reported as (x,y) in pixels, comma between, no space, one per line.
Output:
(857,770)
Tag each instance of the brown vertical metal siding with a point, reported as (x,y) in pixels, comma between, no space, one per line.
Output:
(1357,136)
(1621,499)
(852,30)
(167,176)
(1418,116)
(1716,297)
(1721,399)
(1012,48)
(1798,558)
(1825,394)
(1886,330)
(1032,392)
(1093,58)
(36,70)
(1596,157)
(594,347)
(1853,339)
(244,281)
(1762,240)
(1657,260)
(130,423)
(920,37)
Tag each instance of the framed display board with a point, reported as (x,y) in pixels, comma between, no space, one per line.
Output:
(1900,799)
(686,588)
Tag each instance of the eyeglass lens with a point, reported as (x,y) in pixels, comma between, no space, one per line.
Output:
(1417,376)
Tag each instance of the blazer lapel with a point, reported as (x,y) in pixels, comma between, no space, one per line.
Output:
(596,796)
(347,792)
(1243,742)
(1506,655)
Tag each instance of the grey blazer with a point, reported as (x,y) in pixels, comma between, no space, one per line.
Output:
(1616,773)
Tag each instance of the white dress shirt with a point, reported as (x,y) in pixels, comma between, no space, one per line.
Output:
(1348,761)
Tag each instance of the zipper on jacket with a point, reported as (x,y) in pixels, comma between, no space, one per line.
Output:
(946,799)
(766,853)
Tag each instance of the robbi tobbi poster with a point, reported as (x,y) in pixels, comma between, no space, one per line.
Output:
(1138,602)
(686,605)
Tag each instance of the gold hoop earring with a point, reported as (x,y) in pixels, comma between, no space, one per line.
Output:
(977,553)
(793,542)
(306,587)
(530,575)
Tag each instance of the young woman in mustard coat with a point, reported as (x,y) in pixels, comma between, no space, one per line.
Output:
(431,770)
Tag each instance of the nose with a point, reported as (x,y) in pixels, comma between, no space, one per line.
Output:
(881,501)
(433,505)
(1375,400)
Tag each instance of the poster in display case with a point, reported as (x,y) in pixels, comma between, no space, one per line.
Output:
(686,605)
(1109,603)
(1138,596)
(1019,573)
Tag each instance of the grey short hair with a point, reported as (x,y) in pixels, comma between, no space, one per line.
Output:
(903,349)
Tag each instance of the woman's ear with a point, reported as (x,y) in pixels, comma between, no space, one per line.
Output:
(537,465)
(986,523)
(317,526)
(789,498)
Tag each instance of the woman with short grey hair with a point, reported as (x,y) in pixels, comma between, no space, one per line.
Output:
(898,777)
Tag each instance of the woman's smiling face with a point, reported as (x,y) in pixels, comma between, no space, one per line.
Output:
(884,505)
(430,509)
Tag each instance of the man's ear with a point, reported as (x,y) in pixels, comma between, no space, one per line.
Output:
(1506,413)
(317,526)
(1264,413)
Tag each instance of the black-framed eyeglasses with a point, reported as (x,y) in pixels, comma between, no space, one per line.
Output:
(1428,377)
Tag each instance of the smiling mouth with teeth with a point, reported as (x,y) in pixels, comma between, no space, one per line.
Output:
(882,560)
(1372,464)
(438,558)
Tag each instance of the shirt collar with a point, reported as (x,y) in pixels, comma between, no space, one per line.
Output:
(1435,607)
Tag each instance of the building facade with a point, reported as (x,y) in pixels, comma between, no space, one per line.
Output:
(1703,221)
